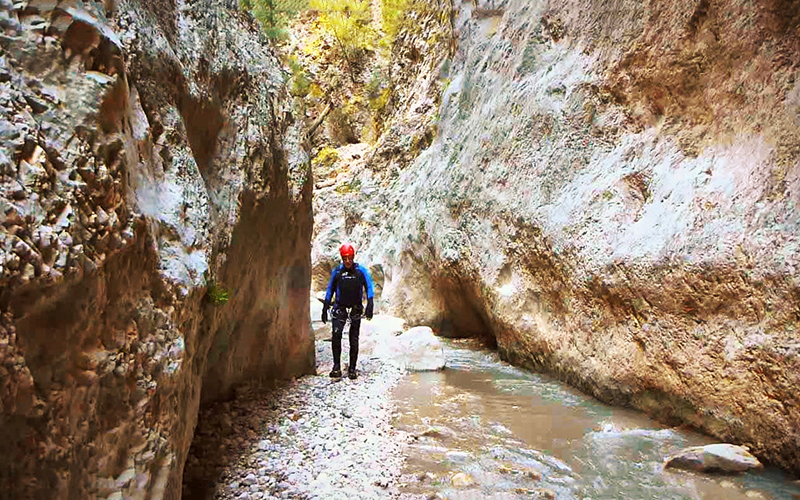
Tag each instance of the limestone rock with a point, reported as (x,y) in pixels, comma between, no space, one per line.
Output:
(545,493)
(149,160)
(417,349)
(591,223)
(461,480)
(458,456)
(378,333)
(517,469)
(714,458)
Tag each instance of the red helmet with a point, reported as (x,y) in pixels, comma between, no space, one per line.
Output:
(347,250)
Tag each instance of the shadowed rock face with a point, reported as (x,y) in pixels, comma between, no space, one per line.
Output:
(613,198)
(155,219)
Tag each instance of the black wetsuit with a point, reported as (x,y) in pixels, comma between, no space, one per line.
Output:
(348,285)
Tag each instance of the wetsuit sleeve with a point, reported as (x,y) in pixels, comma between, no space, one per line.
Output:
(368,283)
(331,286)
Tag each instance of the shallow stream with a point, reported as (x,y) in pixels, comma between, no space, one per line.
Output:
(516,434)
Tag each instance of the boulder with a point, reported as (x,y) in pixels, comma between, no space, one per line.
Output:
(418,349)
(377,334)
(437,432)
(383,325)
(719,457)
(461,480)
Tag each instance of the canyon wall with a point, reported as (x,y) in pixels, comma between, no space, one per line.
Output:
(155,225)
(612,196)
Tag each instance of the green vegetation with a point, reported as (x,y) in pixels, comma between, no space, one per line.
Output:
(394,18)
(274,15)
(349,23)
(326,158)
(340,65)
(351,187)
(301,85)
(217,294)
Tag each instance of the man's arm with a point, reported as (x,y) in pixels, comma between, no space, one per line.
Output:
(370,292)
(331,287)
(329,294)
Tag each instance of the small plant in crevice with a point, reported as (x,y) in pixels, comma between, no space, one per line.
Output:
(217,294)
(351,187)
(300,83)
(326,158)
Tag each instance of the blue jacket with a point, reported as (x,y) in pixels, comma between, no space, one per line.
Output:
(348,286)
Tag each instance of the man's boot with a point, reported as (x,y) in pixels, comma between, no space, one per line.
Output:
(336,372)
(352,373)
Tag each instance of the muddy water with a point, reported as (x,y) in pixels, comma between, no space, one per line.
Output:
(515,434)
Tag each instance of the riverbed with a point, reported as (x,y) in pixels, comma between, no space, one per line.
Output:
(486,429)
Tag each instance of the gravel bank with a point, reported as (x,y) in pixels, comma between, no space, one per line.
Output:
(310,438)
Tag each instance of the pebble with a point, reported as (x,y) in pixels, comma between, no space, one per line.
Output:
(461,480)
(312,437)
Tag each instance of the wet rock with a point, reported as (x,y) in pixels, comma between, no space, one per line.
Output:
(438,432)
(417,349)
(714,458)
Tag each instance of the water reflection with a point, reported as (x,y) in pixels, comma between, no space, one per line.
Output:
(513,434)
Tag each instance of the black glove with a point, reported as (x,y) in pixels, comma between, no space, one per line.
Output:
(368,310)
(325,314)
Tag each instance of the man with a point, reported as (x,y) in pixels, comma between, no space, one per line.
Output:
(348,281)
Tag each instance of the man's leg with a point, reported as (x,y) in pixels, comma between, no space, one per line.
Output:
(355,326)
(337,326)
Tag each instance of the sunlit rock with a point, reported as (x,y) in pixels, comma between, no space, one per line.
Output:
(545,494)
(516,469)
(461,480)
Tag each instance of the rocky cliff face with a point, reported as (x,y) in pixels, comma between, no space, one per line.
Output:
(612,198)
(155,206)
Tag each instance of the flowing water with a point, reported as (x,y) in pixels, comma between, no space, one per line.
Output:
(516,434)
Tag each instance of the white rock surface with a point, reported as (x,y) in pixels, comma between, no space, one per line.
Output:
(417,349)
(720,457)
(311,438)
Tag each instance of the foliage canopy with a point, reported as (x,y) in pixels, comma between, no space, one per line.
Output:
(274,15)
(349,22)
